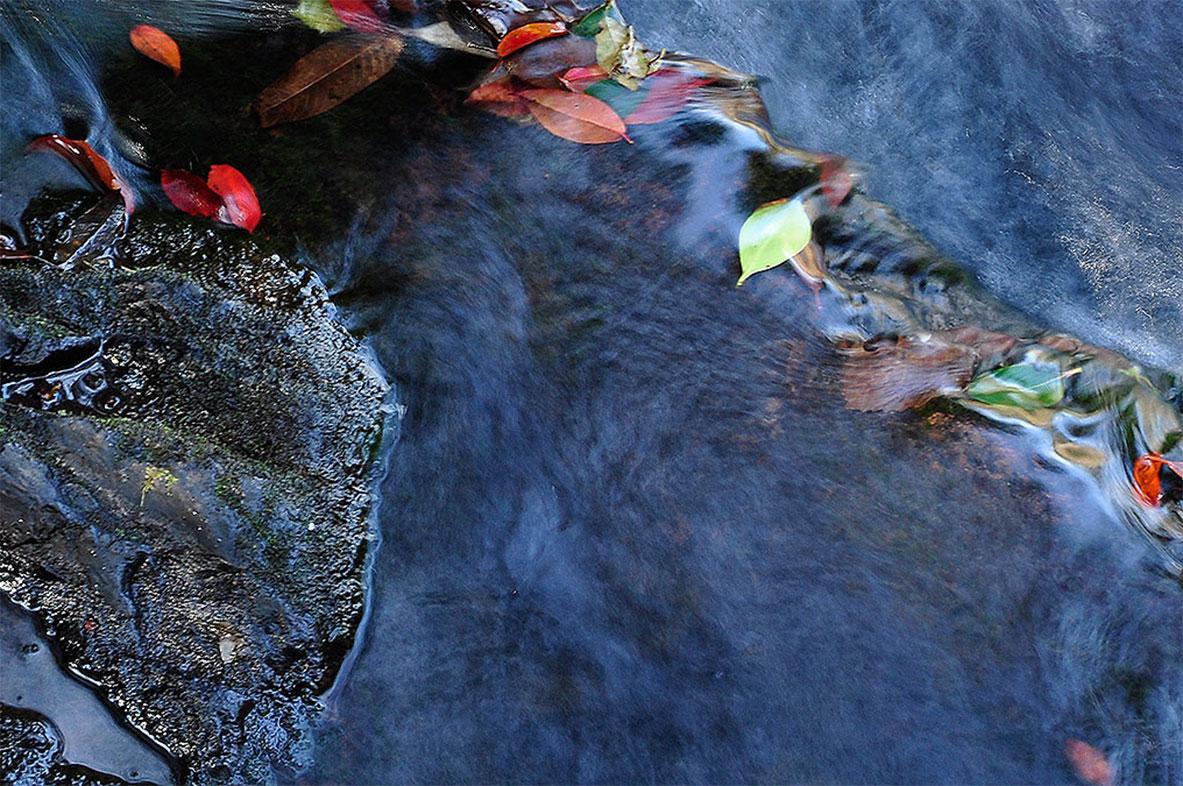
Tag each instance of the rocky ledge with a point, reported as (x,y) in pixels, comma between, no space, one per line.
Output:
(187,449)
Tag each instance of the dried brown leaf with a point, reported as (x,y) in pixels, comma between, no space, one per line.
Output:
(327,76)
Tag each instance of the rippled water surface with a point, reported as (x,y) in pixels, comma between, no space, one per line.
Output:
(632,530)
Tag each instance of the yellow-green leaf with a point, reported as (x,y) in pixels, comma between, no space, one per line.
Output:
(773,234)
(318,15)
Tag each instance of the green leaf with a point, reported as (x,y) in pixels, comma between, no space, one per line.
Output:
(1023,385)
(318,15)
(593,20)
(771,235)
(615,95)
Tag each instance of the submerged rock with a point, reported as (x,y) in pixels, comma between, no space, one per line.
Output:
(186,450)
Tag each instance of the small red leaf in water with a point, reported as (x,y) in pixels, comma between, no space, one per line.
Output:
(669,91)
(359,15)
(521,37)
(575,116)
(89,163)
(500,98)
(189,193)
(240,205)
(1090,764)
(580,78)
(158,45)
(835,179)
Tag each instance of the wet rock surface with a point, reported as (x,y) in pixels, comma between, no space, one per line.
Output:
(186,449)
(31,754)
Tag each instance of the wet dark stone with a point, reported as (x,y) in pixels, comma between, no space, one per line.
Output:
(31,754)
(186,446)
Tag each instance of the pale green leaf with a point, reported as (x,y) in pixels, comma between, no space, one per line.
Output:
(772,235)
(1023,385)
(318,15)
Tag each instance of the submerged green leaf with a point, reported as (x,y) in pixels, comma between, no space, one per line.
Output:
(773,234)
(593,20)
(615,95)
(1023,385)
(318,15)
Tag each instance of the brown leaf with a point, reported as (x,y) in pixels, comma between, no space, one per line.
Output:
(327,76)
(891,375)
(158,45)
(575,116)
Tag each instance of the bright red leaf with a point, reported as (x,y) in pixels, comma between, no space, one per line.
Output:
(521,37)
(359,15)
(89,163)
(835,179)
(240,205)
(1090,764)
(226,196)
(575,116)
(189,193)
(158,45)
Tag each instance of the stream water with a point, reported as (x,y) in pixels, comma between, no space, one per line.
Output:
(632,530)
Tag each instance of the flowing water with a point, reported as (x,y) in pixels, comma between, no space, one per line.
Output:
(633,529)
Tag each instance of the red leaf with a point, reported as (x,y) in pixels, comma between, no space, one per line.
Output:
(835,179)
(500,98)
(1090,764)
(88,162)
(158,45)
(580,78)
(1148,476)
(669,91)
(575,116)
(189,193)
(240,205)
(523,36)
(359,15)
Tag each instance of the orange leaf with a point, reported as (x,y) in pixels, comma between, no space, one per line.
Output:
(158,45)
(1148,476)
(521,37)
(1090,764)
(88,162)
(240,205)
(575,116)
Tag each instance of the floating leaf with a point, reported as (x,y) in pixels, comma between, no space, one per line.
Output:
(1148,476)
(189,193)
(1023,385)
(618,53)
(158,45)
(669,90)
(318,15)
(773,234)
(1090,764)
(835,179)
(359,15)
(326,76)
(89,163)
(240,205)
(523,36)
(500,98)
(576,117)
(580,78)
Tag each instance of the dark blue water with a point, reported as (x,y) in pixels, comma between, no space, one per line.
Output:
(631,532)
